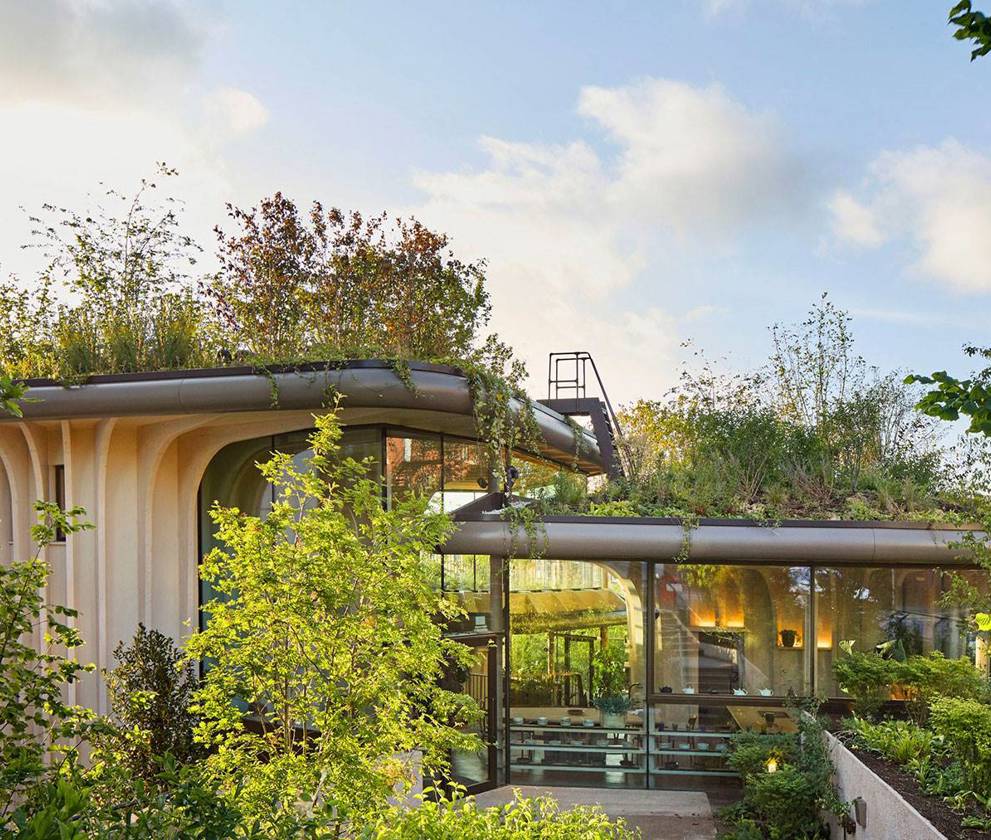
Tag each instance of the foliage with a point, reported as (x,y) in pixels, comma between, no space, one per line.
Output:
(897,740)
(522,819)
(612,690)
(788,803)
(869,678)
(150,692)
(108,802)
(322,632)
(329,285)
(114,297)
(11,394)
(752,750)
(965,726)
(39,730)
(971,26)
(813,433)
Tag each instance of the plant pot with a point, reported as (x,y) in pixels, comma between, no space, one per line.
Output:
(614,720)
(788,638)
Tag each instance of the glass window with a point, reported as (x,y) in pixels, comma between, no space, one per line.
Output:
(412,465)
(465,477)
(730,629)
(870,606)
(467,579)
(576,654)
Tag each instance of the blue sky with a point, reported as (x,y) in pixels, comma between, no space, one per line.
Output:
(637,174)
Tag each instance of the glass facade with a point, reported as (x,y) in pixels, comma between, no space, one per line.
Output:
(623,673)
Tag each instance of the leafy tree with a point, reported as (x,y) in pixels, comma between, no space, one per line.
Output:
(39,730)
(971,26)
(11,393)
(322,634)
(327,285)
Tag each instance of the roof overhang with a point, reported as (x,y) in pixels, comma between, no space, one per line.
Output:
(439,389)
(833,543)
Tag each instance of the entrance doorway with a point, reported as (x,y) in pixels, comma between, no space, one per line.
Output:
(477,771)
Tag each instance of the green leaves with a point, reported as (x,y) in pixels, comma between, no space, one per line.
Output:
(323,631)
(37,727)
(11,394)
(971,26)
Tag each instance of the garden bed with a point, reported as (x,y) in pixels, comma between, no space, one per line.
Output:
(905,784)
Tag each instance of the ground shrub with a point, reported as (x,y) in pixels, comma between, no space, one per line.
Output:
(897,740)
(787,803)
(522,819)
(965,726)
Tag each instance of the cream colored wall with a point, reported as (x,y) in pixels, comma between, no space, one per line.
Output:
(138,479)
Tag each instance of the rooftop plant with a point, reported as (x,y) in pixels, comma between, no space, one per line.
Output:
(815,432)
(122,291)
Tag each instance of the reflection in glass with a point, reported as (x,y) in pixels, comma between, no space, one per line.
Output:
(576,671)
(412,465)
(870,606)
(730,630)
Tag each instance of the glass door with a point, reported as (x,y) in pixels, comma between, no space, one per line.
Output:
(476,771)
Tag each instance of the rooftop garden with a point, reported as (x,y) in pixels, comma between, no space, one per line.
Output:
(816,432)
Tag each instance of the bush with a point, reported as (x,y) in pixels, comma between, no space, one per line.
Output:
(787,804)
(931,676)
(786,801)
(150,692)
(751,751)
(522,819)
(867,678)
(897,740)
(965,726)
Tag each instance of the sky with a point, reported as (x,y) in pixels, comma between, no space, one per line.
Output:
(636,174)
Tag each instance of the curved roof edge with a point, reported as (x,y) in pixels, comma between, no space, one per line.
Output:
(361,384)
(801,543)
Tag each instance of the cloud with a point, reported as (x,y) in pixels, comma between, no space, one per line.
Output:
(691,157)
(234,111)
(936,201)
(571,229)
(92,52)
(853,221)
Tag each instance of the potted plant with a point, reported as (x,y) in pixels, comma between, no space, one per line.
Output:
(788,638)
(612,691)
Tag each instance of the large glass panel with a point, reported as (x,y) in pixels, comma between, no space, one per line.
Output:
(577,672)
(412,465)
(478,681)
(730,630)
(467,579)
(870,606)
(688,741)
(465,477)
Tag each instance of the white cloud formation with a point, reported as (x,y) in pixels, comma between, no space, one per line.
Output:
(99,91)
(937,200)
(853,221)
(94,51)
(567,229)
(234,111)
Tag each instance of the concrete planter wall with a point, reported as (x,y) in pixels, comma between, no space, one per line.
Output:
(887,815)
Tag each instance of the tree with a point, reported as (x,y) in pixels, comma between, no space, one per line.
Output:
(327,285)
(150,692)
(322,636)
(971,26)
(39,730)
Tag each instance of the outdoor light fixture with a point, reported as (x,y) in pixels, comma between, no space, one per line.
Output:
(772,765)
